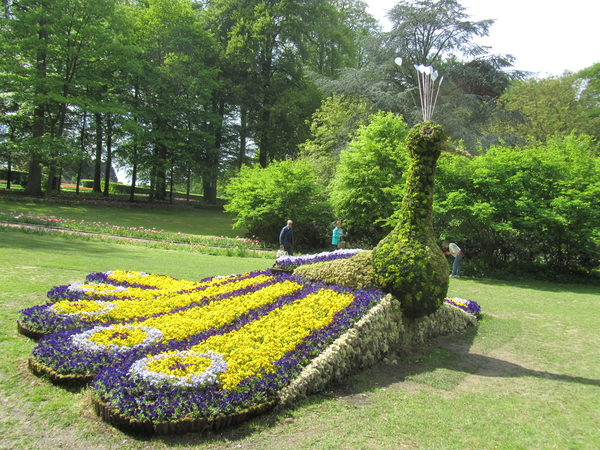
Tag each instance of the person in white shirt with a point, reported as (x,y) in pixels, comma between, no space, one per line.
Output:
(450,248)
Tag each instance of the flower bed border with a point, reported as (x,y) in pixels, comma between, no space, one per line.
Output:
(42,370)
(28,332)
(185,425)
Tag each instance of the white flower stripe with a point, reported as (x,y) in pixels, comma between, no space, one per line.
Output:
(82,340)
(209,376)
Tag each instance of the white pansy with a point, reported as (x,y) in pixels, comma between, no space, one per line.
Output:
(82,340)
(105,307)
(209,376)
(106,289)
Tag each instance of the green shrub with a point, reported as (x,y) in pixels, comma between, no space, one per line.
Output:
(262,200)
(372,164)
(530,206)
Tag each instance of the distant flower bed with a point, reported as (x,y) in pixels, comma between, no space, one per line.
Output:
(466,305)
(295,261)
(135,232)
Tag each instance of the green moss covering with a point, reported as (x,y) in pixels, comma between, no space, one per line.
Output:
(356,272)
(408,261)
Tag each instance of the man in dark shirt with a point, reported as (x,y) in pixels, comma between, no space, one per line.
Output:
(286,238)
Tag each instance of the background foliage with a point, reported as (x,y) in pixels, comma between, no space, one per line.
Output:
(263,200)
(182,94)
(362,191)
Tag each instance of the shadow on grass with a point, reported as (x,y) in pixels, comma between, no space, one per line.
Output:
(448,360)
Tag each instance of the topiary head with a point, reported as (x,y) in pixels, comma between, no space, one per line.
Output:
(424,140)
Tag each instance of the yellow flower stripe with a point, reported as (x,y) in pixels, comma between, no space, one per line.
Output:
(196,364)
(262,342)
(166,300)
(193,321)
(163,287)
(127,336)
(157,281)
(67,307)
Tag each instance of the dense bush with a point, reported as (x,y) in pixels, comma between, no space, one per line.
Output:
(262,200)
(362,194)
(516,208)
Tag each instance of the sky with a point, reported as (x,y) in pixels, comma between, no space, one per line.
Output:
(546,38)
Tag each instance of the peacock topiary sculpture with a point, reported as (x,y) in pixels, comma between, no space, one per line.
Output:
(408,262)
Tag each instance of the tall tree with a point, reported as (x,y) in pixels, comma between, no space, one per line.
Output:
(274,41)
(549,106)
(590,97)
(55,48)
(437,33)
(428,31)
(333,126)
(177,79)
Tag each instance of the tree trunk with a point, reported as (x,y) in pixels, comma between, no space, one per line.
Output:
(171,182)
(82,149)
(60,172)
(108,155)
(263,134)
(9,161)
(34,179)
(189,184)
(243,134)
(50,180)
(210,191)
(98,166)
(133,175)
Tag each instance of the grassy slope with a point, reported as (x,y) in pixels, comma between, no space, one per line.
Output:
(206,222)
(526,378)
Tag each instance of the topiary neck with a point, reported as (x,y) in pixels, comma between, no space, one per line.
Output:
(423,144)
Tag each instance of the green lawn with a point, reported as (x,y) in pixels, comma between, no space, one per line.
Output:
(526,378)
(206,222)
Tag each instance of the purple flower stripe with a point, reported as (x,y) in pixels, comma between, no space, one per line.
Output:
(59,293)
(143,401)
(57,352)
(293,261)
(43,320)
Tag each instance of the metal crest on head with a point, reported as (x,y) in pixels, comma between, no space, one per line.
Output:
(426,78)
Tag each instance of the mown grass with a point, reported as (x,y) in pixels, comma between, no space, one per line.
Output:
(198,221)
(526,378)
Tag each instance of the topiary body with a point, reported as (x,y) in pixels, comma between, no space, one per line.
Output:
(356,272)
(408,261)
